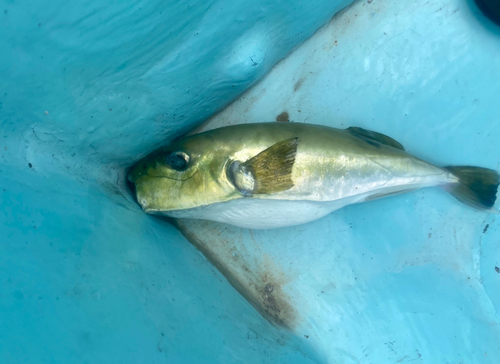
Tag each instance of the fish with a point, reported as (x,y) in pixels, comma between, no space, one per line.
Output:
(273,175)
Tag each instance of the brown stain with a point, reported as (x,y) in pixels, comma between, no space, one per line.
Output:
(261,288)
(283,117)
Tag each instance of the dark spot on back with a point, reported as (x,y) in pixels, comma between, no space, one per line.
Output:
(283,116)
(30,165)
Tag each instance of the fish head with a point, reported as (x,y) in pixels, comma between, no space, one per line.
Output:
(186,174)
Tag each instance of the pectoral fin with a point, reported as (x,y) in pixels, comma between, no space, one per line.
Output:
(373,137)
(269,171)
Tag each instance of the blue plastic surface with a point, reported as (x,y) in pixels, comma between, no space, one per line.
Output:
(87,279)
(410,278)
(87,88)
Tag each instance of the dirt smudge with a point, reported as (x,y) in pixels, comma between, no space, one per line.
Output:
(260,286)
(283,117)
(298,84)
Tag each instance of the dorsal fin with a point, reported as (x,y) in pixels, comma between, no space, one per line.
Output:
(372,136)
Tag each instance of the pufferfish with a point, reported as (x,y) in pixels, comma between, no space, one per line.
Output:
(272,175)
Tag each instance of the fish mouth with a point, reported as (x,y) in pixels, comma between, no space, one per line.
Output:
(148,209)
(144,194)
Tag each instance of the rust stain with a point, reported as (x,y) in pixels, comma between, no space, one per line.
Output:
(261,287)
(283,117)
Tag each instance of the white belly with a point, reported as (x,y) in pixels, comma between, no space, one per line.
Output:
(253,213)
(264,213)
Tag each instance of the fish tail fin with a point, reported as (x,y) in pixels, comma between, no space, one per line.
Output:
(476,187)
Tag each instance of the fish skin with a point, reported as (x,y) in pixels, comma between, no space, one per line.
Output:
(330,165)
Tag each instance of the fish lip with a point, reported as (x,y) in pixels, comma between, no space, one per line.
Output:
(153,211)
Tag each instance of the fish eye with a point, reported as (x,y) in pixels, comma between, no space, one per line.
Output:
(178,160)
